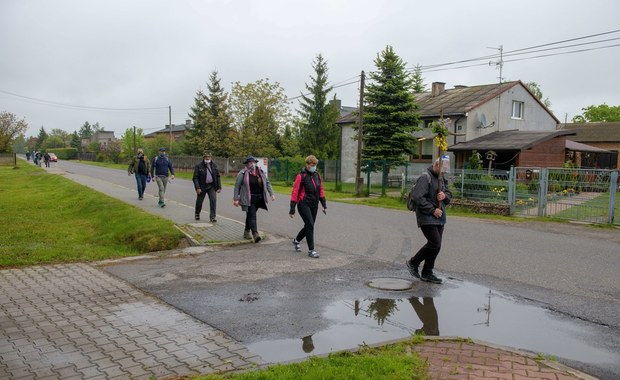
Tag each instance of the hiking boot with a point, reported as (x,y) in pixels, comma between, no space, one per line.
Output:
(197,216)
(256,237)
(314,254)
(247,234)
(431,278)
(413,270)
(296,245)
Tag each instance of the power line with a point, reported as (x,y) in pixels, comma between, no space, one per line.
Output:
(66,105)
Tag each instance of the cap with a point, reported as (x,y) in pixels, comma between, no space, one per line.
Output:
(207,154)
(249,158)
(162,149)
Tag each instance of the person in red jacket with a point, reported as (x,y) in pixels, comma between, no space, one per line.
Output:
(306,195)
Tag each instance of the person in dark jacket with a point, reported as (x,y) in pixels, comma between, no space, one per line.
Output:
(140,167)
(206,182)
(252,188)
(307,193)
(161,169)
(431,195)
(46,159)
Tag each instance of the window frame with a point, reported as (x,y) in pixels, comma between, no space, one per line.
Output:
(521,109)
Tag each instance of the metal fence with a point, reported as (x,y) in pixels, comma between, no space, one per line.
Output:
(8,159)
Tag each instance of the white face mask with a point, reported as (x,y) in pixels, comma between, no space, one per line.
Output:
(312,169)
(207,161)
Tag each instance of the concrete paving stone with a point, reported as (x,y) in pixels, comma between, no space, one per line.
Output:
(115,371)
(214,361)
(66,372)
(160,354)
(116,353)
(159,371)
(500,375)
(224,354)
(10,356)
(136,372)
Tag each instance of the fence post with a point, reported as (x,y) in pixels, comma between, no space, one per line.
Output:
(383,177)
(512,188)
(613,188)
(542,191)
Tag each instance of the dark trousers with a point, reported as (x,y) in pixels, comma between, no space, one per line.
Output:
(141,183)
(429,251)
(209,190)
(250,215)
(308,215)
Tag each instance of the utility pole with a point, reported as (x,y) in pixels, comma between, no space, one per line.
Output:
(360,132)
(170,126)
(500,65)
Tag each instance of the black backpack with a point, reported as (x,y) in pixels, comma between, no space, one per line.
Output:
(411,205)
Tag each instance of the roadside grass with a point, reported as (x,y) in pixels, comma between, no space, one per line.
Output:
(394,361)
(49,219)
(596,207)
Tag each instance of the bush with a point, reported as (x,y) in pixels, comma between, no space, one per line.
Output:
(65,153)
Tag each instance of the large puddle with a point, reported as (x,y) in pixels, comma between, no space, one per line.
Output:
(468,310)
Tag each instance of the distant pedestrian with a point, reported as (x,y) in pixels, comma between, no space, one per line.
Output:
(140,167)
(307,193)
(161,170)
(37,158)
(252,187)
(431,196)
(46,159)
(207,181)
(28,156)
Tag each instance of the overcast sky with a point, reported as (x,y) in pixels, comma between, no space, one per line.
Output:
(61,60)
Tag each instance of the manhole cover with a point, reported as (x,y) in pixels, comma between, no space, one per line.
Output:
(389,283)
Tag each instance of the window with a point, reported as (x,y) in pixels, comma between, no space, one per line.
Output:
(517,110)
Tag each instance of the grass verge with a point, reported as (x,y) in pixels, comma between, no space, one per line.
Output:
(395,361)
(49,219)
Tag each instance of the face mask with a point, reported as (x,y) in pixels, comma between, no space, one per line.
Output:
(312,169)
(140,154)
(162,155)
(207,161)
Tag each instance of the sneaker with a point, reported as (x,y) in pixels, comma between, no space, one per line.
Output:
(314,254)
(256,237)
(247,234)
(413,270)
(431,278)
(140,198)
(197,216)
(213,220)
(296,245)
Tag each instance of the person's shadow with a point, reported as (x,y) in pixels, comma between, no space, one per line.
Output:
(428,315)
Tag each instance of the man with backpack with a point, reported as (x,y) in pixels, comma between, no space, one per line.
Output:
(430,195)
(161,169)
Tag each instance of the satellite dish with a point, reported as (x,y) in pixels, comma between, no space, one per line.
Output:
(483,121)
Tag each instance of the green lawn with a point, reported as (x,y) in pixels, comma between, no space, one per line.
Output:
(49,219)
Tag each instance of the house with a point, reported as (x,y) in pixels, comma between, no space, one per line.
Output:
(603,140)
(178,131)
(501,150)
(101,137)
(473,112)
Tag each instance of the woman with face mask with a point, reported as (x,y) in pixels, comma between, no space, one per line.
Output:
(251,192)
(307,193)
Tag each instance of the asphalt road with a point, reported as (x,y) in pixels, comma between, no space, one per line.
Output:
(569,269)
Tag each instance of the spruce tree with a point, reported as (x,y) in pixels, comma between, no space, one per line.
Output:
(212,122)
(390,116)
(318,131)
(418,80)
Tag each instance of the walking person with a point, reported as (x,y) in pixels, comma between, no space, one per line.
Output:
(307,193)
(140,167)
(46,159)
(207,181)
(162,170)
(252,187)
(431,196)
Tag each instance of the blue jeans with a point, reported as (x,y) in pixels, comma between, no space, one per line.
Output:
(141,182)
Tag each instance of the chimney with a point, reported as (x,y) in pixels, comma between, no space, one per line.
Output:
(188,122)
(338,103)
(438,88)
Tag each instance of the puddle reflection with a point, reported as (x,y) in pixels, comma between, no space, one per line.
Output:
(464,311)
